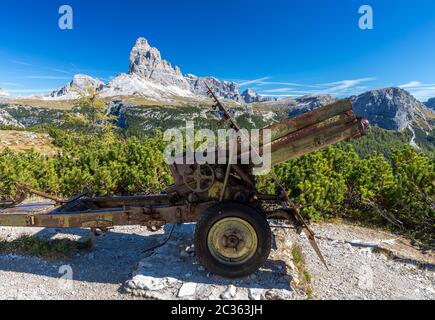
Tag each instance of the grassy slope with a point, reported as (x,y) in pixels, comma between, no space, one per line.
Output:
(20,141)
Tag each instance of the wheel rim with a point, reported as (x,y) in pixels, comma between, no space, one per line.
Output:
(232,241)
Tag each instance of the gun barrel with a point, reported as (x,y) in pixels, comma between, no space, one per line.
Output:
(317,136)
(314,130)
(302,121)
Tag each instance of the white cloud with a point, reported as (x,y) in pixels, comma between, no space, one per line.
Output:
(21,63)
(264,81)
(282,95)
(411,84)
(278,90)
(48,77)
(343,85)
(284,84)
(11,84)
(338,88)
(286,89)
(422,91)
(31,91)
(59,70)
(255,81)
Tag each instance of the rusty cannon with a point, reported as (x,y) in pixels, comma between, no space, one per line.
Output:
(233,236)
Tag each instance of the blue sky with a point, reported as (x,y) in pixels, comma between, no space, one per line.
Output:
(277,47)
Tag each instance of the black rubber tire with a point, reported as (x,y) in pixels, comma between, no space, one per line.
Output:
(231,209)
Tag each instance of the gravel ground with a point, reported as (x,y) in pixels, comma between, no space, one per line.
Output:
(119,267)
(357,271)
(97,274)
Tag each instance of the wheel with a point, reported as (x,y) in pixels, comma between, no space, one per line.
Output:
(201,176)
(232,240)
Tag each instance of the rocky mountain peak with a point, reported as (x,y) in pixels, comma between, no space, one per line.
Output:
(389,108)
(312,102)
(147,63)
(430,103)
(250,96)
(3,93)
(81,83)
(223,89)
(307,103)
(142,46)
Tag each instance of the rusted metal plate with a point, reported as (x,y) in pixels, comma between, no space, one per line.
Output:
(106,218)
(35,208)
(119,202)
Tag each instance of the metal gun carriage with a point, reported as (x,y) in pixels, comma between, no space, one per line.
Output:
(233,236)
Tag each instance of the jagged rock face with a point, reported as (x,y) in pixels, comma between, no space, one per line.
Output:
(7,120)
(118,109)
(390,108)
(223,89)
(147,62)
(430,103)
(250,96)
(3,93)
(310,103)
(80,84)
(315,102)
(134,85)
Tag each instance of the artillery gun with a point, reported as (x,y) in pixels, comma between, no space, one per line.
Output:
(233,236)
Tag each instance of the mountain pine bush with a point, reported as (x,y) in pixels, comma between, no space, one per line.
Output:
(105,166)
(334,182)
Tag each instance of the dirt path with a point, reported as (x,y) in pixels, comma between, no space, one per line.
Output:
(119,268)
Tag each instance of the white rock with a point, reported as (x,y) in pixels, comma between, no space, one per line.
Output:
(131,284)
(429,289)
(255,294)
(187,289)
(278,294)
(153,284)
(229,293)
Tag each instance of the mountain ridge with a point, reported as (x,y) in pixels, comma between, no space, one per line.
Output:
(150,75)
(80,84)
(4,93)
(390,108)
(430,103)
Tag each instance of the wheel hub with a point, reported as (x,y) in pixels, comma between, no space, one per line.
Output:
(232,241)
